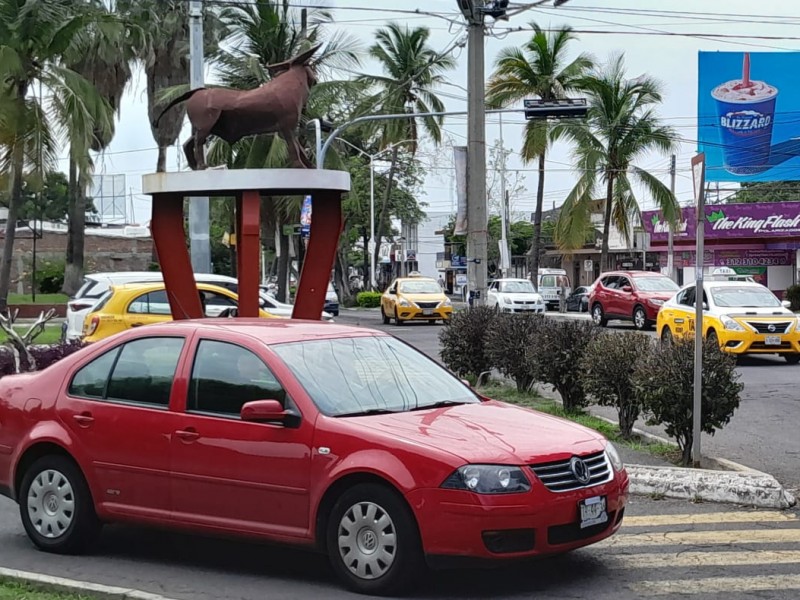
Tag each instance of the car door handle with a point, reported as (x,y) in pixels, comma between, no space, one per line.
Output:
(187,435)
(136,324)
(84,419)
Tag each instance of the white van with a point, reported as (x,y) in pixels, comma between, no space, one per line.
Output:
(550,284)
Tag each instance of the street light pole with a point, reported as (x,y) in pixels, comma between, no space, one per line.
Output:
(503,223)
(373,284)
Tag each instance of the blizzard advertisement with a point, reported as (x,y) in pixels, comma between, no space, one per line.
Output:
(747,122)
(727,221)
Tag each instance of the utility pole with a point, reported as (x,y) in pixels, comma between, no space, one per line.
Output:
(670,248)
(504,257)
(199,222)
(476,154)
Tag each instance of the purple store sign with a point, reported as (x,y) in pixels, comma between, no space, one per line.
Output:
(729,221)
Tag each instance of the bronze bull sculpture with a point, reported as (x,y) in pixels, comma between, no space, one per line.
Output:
(273,107)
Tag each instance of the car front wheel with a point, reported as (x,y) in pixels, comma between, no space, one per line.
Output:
(792,359)
(598,317)
(384,316)
(56,506)
(373,542)
(397,320)
(640,319)
(666,336)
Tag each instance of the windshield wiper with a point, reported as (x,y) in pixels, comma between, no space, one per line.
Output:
(440,404)
(368,411)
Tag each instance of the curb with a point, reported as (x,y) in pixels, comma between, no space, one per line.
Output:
(73,586)
(752,489)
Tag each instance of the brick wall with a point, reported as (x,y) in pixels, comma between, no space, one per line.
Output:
(102,253)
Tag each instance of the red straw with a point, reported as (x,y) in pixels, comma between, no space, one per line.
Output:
(746,70)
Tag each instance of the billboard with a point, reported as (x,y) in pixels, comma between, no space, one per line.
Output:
(110,200)
(305,217)
(748,115)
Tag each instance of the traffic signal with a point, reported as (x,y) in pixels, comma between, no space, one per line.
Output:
(498,10)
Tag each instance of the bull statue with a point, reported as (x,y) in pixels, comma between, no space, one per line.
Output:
(273,107)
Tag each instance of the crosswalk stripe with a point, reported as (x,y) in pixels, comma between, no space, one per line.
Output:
(706,518)
(712,585)
(701,538)
(703,559)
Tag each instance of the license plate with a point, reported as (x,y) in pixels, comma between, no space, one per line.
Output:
(773,340)
(593,511)
(427,312)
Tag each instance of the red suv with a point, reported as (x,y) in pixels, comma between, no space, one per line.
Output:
(630,296)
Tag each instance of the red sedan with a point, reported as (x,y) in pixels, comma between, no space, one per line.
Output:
(337,438)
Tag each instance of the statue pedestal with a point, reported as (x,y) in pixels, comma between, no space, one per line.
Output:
(168,191)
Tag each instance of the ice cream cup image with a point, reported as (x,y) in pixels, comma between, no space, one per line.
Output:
(746,113)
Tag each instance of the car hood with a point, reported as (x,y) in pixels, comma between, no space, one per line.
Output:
(777,312)
(520,296)
(487,432)
(424,297)
(657,295)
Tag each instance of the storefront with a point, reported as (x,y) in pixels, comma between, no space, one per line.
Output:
(758,239)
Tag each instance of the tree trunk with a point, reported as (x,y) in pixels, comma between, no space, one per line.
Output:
(604,257)
(76,231)
(11,224)
(161,164)
(284,261)
(387,193)
(537,225)
(340,276)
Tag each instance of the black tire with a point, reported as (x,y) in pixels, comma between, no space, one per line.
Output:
(397,320)
(84,526)
(666,336)
(384,317)
(407,561)
(712,337)
(640,321)
(598,316)
(792,359)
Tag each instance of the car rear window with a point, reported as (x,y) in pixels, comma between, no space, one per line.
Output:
(85,291)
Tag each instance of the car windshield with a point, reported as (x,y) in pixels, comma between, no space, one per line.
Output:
(362,375)
(422,286)
(517,287)
(656,284)
(744,297)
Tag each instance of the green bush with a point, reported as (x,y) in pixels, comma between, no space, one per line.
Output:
(556,355)
(664,381)
(607,369)
(50,277)
(507,343)
(793,296)
(463,341)
(369,299)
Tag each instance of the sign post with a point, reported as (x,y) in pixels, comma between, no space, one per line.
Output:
(698,179)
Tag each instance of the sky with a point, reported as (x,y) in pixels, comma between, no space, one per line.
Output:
(658,39)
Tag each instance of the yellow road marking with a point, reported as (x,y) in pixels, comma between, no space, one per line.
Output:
(700,538)
(697,519)
(713,585)
(702,559)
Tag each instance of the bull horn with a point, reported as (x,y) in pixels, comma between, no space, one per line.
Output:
(296,60)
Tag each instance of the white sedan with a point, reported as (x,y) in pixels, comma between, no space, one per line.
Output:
(515,296)
(280,309)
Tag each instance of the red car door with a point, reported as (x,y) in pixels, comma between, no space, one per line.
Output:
(623,298)
(232,474)
(116,407)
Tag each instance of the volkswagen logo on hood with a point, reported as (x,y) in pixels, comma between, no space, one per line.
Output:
(580,469)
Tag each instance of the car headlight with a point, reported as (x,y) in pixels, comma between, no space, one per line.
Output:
(614,457)
(446,302)
(506,300)
(655,302)
(403,302)
(488,479)
(730,324)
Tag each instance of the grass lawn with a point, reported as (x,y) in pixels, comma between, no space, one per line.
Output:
(40,299)
(609,430)
(50,335)
(11,590)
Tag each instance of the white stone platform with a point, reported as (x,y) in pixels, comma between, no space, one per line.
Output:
(230,182)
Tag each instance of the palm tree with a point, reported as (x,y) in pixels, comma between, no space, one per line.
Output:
(541,69)
(34,36)
(412,72)
(621,127)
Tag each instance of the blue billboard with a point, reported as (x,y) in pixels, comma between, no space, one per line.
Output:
(305,217)
(748,115)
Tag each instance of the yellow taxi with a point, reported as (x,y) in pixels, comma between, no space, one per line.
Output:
(744,317)
(415,298)
(136,304)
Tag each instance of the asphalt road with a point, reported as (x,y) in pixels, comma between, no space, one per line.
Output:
(763,433)
(664,550)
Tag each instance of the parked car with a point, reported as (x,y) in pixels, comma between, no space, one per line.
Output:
(281,309)
(578,300)
(135,304)
(331,301)
(514,295)
(633,296)
(743,317)
(415,298)
(286,431)
(95,285)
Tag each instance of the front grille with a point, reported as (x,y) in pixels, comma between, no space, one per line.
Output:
(558,477)
(572,532)
(763,346)
(427,304)
(764,326)
(524,302)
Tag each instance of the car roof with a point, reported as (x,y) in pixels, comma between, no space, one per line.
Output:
(152,276)
(634,273)
(157,285)
(270,331)
(511,279)
(729,283)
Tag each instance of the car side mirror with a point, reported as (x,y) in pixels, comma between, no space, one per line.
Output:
(786,304)
(266,411)
(705,305)
(627,288)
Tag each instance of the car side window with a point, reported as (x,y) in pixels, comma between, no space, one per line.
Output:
(152,303)
(90,381)
(610,282)
(215,299)
(226,376)
(688,297)
(622,282)
(145,370)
